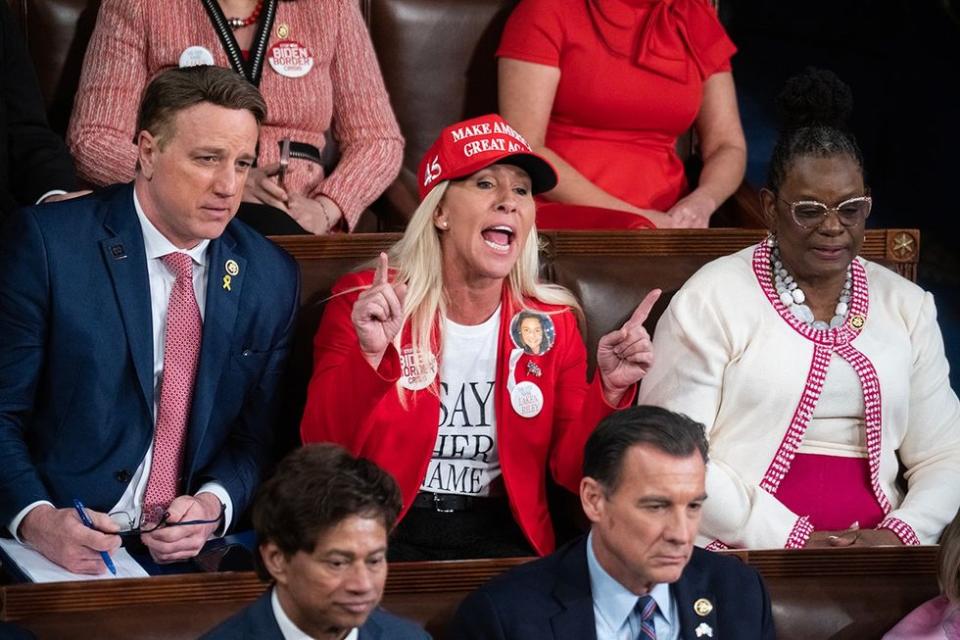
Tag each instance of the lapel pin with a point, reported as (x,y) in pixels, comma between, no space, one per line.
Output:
(704,630)
(702,607)
(533,369)
(283,31)
(232,269)
(118,252)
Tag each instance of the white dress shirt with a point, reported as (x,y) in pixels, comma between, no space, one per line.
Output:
(128,509)
(291,631)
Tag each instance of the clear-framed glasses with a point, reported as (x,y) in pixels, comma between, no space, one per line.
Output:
(810,213)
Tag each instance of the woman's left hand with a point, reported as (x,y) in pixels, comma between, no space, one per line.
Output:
(624,356)
(316,216)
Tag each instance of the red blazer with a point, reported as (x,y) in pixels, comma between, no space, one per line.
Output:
(351,404)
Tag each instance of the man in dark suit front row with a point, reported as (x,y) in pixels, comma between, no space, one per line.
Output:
(143,335)
(321,523)
(637,574)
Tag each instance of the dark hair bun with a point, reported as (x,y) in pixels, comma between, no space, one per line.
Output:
(815,97)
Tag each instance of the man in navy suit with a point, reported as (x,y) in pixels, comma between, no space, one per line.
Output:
(321,524)
(637,575)
(144,334)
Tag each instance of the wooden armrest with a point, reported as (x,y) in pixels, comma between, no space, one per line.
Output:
(742,209)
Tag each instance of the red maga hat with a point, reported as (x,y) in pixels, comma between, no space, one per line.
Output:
(471,145)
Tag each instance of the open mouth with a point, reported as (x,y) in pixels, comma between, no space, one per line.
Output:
(499,237)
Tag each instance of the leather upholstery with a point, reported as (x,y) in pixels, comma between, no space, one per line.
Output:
(437,59)
(57,32)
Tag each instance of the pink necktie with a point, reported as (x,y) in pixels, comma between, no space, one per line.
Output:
(180,354)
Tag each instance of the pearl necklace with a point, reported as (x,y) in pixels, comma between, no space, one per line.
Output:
(793,298)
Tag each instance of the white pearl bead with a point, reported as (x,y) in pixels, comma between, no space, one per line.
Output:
(802,313)
(792,296)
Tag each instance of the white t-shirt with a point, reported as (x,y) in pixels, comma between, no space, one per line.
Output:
(465,459)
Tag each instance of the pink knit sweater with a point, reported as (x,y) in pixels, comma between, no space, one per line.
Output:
(136,39)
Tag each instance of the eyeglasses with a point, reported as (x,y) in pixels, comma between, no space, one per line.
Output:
(152,521)
(810,213)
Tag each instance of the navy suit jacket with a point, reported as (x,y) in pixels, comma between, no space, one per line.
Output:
(550,599)
(76,356)
(257,622)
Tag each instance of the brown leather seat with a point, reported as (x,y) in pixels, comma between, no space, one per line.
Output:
(437,59)
(57,32)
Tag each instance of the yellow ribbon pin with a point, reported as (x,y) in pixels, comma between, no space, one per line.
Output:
(226,282)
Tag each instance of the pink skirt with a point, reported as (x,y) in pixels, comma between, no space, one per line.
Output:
(833,491)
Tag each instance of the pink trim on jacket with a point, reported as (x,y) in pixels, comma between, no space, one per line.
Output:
(836,340)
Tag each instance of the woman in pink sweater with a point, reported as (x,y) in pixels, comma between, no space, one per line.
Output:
(315,65)
(937,619)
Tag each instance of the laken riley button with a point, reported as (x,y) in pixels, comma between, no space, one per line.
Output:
(526,399)
(290,59)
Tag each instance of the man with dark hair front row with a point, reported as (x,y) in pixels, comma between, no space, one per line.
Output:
(144,334)
(637,574)
(321,523)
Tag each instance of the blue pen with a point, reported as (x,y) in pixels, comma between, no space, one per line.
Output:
(85,519)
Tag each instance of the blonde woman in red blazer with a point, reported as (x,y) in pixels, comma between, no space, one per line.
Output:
(440,330)
(315,66)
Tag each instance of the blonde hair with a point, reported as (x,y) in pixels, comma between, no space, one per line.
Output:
(418,259)
(949,561)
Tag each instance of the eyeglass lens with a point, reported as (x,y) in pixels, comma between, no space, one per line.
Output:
(850,213)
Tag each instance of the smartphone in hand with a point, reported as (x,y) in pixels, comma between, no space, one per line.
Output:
(284,159)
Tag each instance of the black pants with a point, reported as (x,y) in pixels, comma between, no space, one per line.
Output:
(268,220)
(485,531)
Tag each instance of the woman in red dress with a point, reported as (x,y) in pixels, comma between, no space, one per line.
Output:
(603,89)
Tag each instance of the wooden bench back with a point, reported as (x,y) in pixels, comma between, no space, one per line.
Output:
(836,594)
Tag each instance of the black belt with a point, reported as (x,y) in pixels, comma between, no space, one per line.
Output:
(305,151)
(446,502)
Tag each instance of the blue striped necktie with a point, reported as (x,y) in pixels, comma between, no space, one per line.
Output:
(646,606)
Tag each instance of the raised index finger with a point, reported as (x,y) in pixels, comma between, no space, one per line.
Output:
(643,309)
(380,275)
